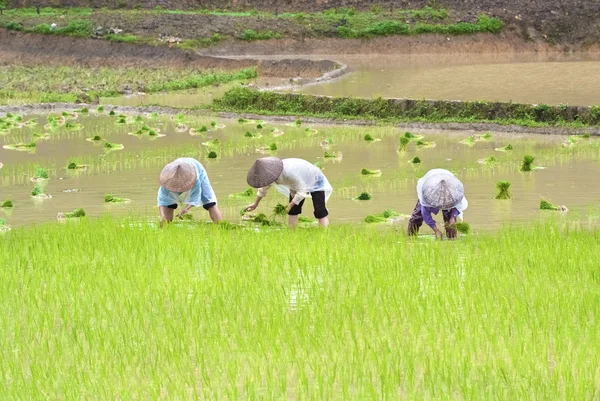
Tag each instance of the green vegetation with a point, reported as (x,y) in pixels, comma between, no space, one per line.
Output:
(463,228)
(245,194)
(121,38)
(250,34)
(273,146)
(489,160)
(248,100)
(527,163)
(212,154)
(64,84)
(112,146)
(6,204)
(545,205)
(366,171)
(22,146)
(37,190)
(364,196)
(108,198)
(40,173)
(503,190)
(381,217)
(507,148)
(416,160)
(404,141)
(75,214)
(369,138)
(470,141)
(73,165)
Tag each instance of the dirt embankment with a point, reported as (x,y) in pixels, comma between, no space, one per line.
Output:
(32,49)
(553,21)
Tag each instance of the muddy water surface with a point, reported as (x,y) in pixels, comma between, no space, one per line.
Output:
(133,171)
(523,78)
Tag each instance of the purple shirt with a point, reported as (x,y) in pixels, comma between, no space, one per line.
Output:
(426,213)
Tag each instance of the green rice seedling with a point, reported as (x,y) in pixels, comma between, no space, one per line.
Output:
(298,123)
(415,160)
(138,119)
(26,147)
(364,196)
(331,155)
(100,109)
(470,141)
(585,135)
(249,134)
(76,166)
(84,110)
(404,141)
(40,135)
(212,154)
(487,136)
(311,131)
(276,132)
(488,160)
(95,138)
(121,121)
(31,123)
(381,217)
(108,198)
(375,219)
(319,165)
(73,126)
(527,163)
(203,128)
(213,124)
(259,126)
(7,204)
(369,138)
(306,220)
(366,171)
(2,222)
(37,190)
(545,205)
(463,228)
(412,137)
(212,143)
(422,144)
(273,146)
(40,173)
(244,194)
(503,190)
(112,146)
(506,148)
(112,113)
(79,212)
(279,210)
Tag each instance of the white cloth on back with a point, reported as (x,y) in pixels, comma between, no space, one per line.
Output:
(299,178)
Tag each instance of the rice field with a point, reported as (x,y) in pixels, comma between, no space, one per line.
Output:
(119,309)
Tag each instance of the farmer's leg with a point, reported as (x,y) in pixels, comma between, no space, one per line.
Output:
(294,213)
(321,212)
(416,220)
(166,213)
(450,229)
(214,212)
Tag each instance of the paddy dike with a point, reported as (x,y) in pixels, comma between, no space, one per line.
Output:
(34,49)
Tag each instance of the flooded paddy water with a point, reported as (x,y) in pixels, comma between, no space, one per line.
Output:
(133,171)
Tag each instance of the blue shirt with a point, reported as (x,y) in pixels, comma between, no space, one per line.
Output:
(427,211)
(200,194)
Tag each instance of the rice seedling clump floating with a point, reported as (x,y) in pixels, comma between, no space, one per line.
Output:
(76,166)
(364,196)
(79,212)
(95,139)
(367,171)
(470,141)
(546,205)
(488,160)
(527,163)
(424,145)
(112,146)
(404,141)
(412,137)
(332,155)
(38,192)
(108,198)
(415,160)
(463,228)
(244,194)
(22,146)
(503,190)
(212,154)
(6,204)
(382,217)
(506,148)
(40,174)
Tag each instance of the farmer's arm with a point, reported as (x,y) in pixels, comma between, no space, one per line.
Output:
(164,200)
(193,198)
(209,200)
(261,193)
(426,212)
(453,215)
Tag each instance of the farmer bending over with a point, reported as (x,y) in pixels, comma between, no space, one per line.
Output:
(295,178)
(438,190)
(185,181)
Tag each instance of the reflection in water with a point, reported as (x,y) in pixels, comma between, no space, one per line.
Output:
(133,172)
(552,79)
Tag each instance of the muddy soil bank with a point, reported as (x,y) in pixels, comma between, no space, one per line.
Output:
(36,109)
(34,49)
(554,21)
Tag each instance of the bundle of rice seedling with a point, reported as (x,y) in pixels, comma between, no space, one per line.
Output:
(259,126)
(545,205)
(112,146)
(40,173)
(381,217)
(37,190)
(213,124)
(527,163)
(212,154)
(319,165)
(369,138)
(75,214)
(470,141)
(108,198)
(415,160)
(279,210)
(95,138)
(422,144)
(6,204)
(28,147)
(463,228)
(249,134)
(331,155)
(100,109)
(366,171)
(211,143)
(273,146)
(506,148)
(364,196)
(487,136)
(503,190)
(488,160)
(112,113)
(75,166)
(403,143)
(244,194)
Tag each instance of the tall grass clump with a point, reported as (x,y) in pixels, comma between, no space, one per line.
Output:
(503,190)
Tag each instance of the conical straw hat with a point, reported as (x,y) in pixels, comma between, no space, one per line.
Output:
(264,172)
(443,190)
(178,176)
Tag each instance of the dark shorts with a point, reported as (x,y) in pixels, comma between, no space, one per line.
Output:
(206,207)
(318,199)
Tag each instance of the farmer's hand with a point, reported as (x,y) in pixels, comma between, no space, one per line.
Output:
(438,233)
(185,210)
(452,221)
(290,206)
(251,207)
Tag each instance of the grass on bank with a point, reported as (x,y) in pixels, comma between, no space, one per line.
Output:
(182,314)
(65,84)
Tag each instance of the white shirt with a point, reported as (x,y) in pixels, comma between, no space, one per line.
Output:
(299,178)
